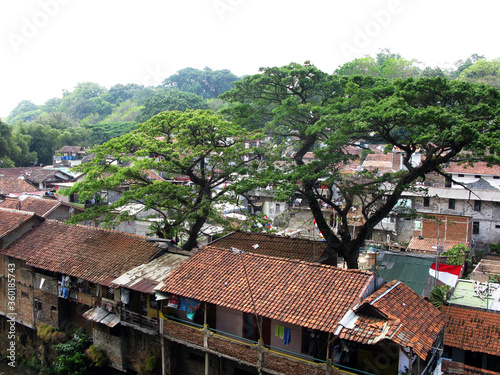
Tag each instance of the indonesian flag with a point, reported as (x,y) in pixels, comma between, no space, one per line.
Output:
(445,273)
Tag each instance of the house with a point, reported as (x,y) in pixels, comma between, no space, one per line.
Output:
(252,312)
(15,186)
(47,179)
(435,233)
(472,337)
(45,207)
(62,272)
(273,245)
(69,156)
(139,310)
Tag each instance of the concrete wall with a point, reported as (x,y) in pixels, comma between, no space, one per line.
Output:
(230,321)
(295,337)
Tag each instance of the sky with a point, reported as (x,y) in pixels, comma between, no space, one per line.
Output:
(48,46)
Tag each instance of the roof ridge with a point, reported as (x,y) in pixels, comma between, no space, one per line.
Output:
(292,260)
(96,228)
(17,211)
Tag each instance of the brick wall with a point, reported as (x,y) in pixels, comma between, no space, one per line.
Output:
(455,228)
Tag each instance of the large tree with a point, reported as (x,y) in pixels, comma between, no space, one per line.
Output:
(307,110)
(206,83)
(199,145)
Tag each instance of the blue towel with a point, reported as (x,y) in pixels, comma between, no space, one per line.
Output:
(286,336)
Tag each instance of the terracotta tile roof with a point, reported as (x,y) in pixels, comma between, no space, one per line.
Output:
(42,175)
(17,172)
(15,185)
(474,330)
(396,313)
(428,245)
(39,206)
(273,245)
(478,168)
(74,149)
(457,368)
(12,219)
(92,254)
(301,293)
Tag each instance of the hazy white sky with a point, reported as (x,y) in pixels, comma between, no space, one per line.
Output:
(51,45)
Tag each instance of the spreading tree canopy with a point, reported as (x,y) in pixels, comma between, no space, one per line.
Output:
(197,144)
(307,110)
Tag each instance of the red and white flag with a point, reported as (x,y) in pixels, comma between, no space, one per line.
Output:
(445,273)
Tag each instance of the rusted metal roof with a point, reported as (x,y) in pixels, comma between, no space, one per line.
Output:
(99,315)
(146,277)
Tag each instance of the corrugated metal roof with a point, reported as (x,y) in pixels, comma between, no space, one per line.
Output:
(99,315)
(146,277)
(410,269)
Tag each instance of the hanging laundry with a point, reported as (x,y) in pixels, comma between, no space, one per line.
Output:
(125,296)
(279,331)
(286,336)
(190,305)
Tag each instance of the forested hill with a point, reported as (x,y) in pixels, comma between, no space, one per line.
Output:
(92,114)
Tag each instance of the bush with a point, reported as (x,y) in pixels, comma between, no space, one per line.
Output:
(457,255)
(97,355)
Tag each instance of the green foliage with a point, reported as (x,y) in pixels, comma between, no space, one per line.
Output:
(483,71)
(438,295)
(198,144)
(24,111)
(72,359)
(305,110)
(150,366)
(207,83)
(50,335)
(103,132)
(172,100)
(97,355)
(457,255)
(495,248)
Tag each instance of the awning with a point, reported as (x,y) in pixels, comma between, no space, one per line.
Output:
(99,315)
(161,296)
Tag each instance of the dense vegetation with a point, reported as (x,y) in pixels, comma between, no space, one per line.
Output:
(91,114)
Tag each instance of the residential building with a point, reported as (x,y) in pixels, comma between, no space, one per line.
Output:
(252,312)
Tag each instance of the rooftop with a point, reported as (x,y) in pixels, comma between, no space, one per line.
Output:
(411,269)
(481,168)
(466,294)
(39,206)
(11,219)
(396,313)
(146,277)
(273,245)
(473,330)
(92,254)
(307,294)
(16,185)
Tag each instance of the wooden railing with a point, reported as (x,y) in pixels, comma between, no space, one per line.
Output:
(138,320)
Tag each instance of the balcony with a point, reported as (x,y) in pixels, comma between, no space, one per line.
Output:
(244,351)
(139,322)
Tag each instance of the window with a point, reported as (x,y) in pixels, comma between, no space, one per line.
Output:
(447,182)
(477,205)
(451,204)
(497,226)
(427,201)
(38,304)
(25,294)
(139,339)
(475,227)
(460,175)
(477,176)
(496,177)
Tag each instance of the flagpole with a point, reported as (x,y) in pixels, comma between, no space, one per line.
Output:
(235,250)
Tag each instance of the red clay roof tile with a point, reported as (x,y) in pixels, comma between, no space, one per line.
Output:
(273,245)
(474,330)
(92,254)
(307,294)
